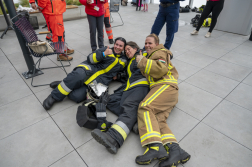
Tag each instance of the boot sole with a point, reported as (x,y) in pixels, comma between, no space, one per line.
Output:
(64,60)
(183,161)
(149,162)
(97,135)
(70,53)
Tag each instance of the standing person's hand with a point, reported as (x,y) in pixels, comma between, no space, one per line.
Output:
(139,57)
(34,6)
(89,1)
(108,51)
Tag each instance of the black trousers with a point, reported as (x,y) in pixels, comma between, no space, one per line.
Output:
(125,105)
(212,6)
(96,23)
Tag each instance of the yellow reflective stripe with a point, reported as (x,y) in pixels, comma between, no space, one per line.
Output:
(148,66)
(147,149)
(112,55)
(94,58)
(95,75)
(150,135)
(155,148)
(62,90)
(120,130)
(167,136)
(129,72)
(156,94)
(165,80)
(86,67)
(140,83)
(145,54)
(122,63)
(148,121)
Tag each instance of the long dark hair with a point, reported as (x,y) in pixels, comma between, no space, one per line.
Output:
(121,39)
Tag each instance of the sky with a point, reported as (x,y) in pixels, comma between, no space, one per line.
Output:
(196,3)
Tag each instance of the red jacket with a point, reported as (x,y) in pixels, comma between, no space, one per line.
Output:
(90,8)
(51,7)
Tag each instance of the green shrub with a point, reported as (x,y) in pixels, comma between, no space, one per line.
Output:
(16,5)
(24,3)
(1,12)
(77,3)
(69,2)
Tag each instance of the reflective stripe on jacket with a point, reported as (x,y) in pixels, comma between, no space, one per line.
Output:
(158,68)
(103,69)
(135,77)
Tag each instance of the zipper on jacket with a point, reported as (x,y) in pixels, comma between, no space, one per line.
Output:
(52,5)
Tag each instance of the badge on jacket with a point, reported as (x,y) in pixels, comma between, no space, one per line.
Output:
(96,8)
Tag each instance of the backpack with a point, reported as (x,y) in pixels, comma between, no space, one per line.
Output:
(195,20)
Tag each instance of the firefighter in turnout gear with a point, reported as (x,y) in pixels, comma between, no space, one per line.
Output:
(124,103)
(99,68)
(156,106)
(53,12)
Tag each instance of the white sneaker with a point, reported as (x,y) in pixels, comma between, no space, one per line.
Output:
(195,32)
(208,34)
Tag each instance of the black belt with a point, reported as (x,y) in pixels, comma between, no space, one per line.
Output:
(167,4)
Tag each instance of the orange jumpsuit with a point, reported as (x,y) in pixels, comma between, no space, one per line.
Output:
(53,9)
(107,21)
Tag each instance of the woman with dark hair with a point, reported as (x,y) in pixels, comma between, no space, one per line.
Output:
(100,68)
(155,108)
(124,103)
(214,6)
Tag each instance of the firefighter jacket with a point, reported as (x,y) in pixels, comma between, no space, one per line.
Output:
(51,7)
(103,69)
(94,9)
(135,77)
(157,67)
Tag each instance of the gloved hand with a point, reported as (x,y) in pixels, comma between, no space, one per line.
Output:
(101,114)
(104,98)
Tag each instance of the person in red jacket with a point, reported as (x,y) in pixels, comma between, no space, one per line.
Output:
(95,15)
(53,13)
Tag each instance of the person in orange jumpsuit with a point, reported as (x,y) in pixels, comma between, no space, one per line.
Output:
(53,13)
(107,23)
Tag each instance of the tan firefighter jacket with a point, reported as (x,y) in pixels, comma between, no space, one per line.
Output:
(158,69)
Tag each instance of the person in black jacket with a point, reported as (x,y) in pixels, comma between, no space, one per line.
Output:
(124,103)
(100,67)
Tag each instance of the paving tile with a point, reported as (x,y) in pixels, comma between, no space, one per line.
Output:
(66,120)
(209,148)
(213,83)
(196,59)
(8,74)
(1,53)
(125,156)
(20,114)
(211,50)
(38,145)
(239,59)
(241,95)
(247,43)
(234,38)
(233,121)
(11,50)
(196,102)
(229,70)
(244,50)
(185,70)
(12,91)
(57,107)
(180,123)
(223,44)
(72,159)
(177,50)
(186,44)
(248,80)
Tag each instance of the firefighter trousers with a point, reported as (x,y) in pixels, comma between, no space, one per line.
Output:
(129,103)
(57,27)
(72,86)
(152,115)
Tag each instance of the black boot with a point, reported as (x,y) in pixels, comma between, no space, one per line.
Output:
(176,154)
(135,128)
(106,140)
(54,84)
(153,151)
(48,102)
(111,41)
